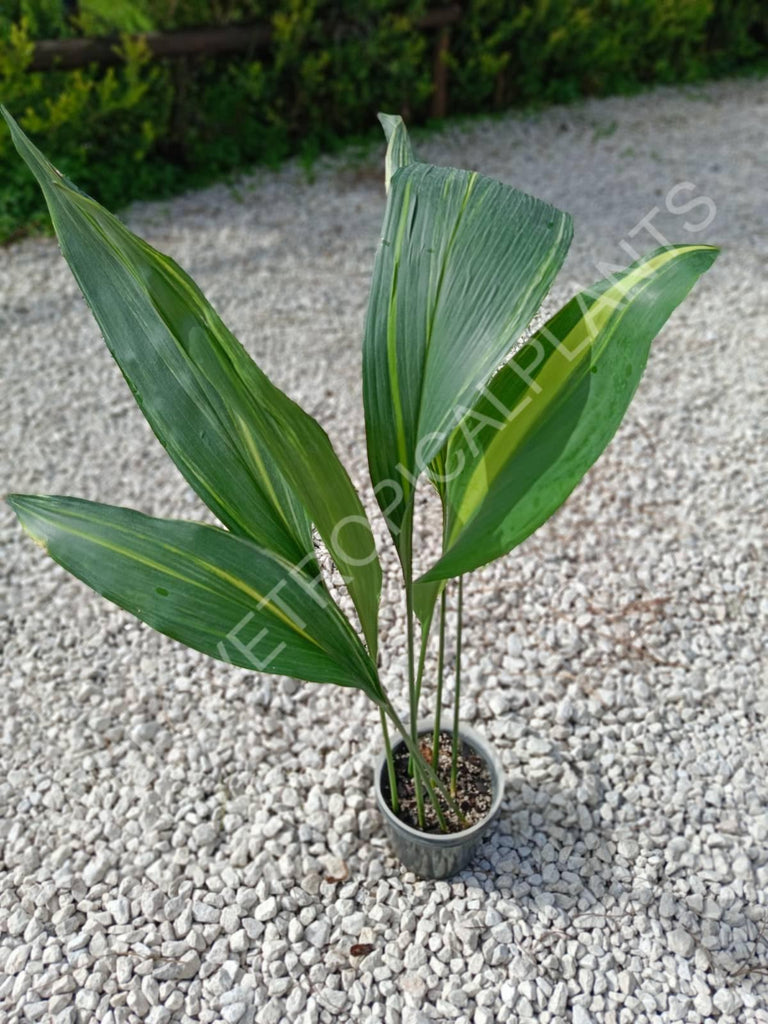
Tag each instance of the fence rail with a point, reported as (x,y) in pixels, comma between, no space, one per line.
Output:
(215,41)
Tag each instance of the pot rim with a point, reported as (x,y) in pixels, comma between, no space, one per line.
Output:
(496,770)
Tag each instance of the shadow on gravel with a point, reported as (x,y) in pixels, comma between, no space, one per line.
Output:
(577,878)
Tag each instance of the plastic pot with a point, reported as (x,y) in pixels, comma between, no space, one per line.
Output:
(443,854)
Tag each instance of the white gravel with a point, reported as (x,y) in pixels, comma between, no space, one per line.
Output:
(182,841)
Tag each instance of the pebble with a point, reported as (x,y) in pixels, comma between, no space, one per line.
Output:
(120,909)
(266,910)
(233,1012)
(667,905)
(17,921)
(628,848)
(152,904)
(726,1000)
(559,999)
(138,1002)
(158,1015)
(295,1002)
(17,959)
(681,942)
(204,913)
(95,870)
(123,970)
(317,933)
(332,999)
(230,919)
(353,924)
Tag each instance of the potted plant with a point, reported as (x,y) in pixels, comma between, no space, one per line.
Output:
(503,433)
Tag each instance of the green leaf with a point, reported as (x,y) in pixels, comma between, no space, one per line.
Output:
(399,152)
(262,465)
(549,413)
(205,587)
(463,265)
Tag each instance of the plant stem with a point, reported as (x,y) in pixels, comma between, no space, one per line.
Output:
(431,779)
(422,658)
(414,702)
(405,550)
(419,677)
(439,695)
(390,763)
(457,693)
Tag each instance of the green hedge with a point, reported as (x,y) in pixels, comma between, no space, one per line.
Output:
(149,128)
(556,50)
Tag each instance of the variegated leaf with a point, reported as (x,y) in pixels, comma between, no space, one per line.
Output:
(463,265)
(264,466)
(201,585)
(549,413)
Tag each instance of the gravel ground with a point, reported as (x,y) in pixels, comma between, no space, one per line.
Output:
(183,841)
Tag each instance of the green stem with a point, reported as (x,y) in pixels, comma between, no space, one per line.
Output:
(406,560)
(457,693)
(419,678)
(422,659)
(439,695)
(390,763)
(432,781)
(414,702)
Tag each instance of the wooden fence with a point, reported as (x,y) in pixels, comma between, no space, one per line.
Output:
(214,41)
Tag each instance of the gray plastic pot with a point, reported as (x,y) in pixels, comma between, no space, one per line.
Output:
(439,855)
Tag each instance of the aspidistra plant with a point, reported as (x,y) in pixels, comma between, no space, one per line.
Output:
(503,432)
